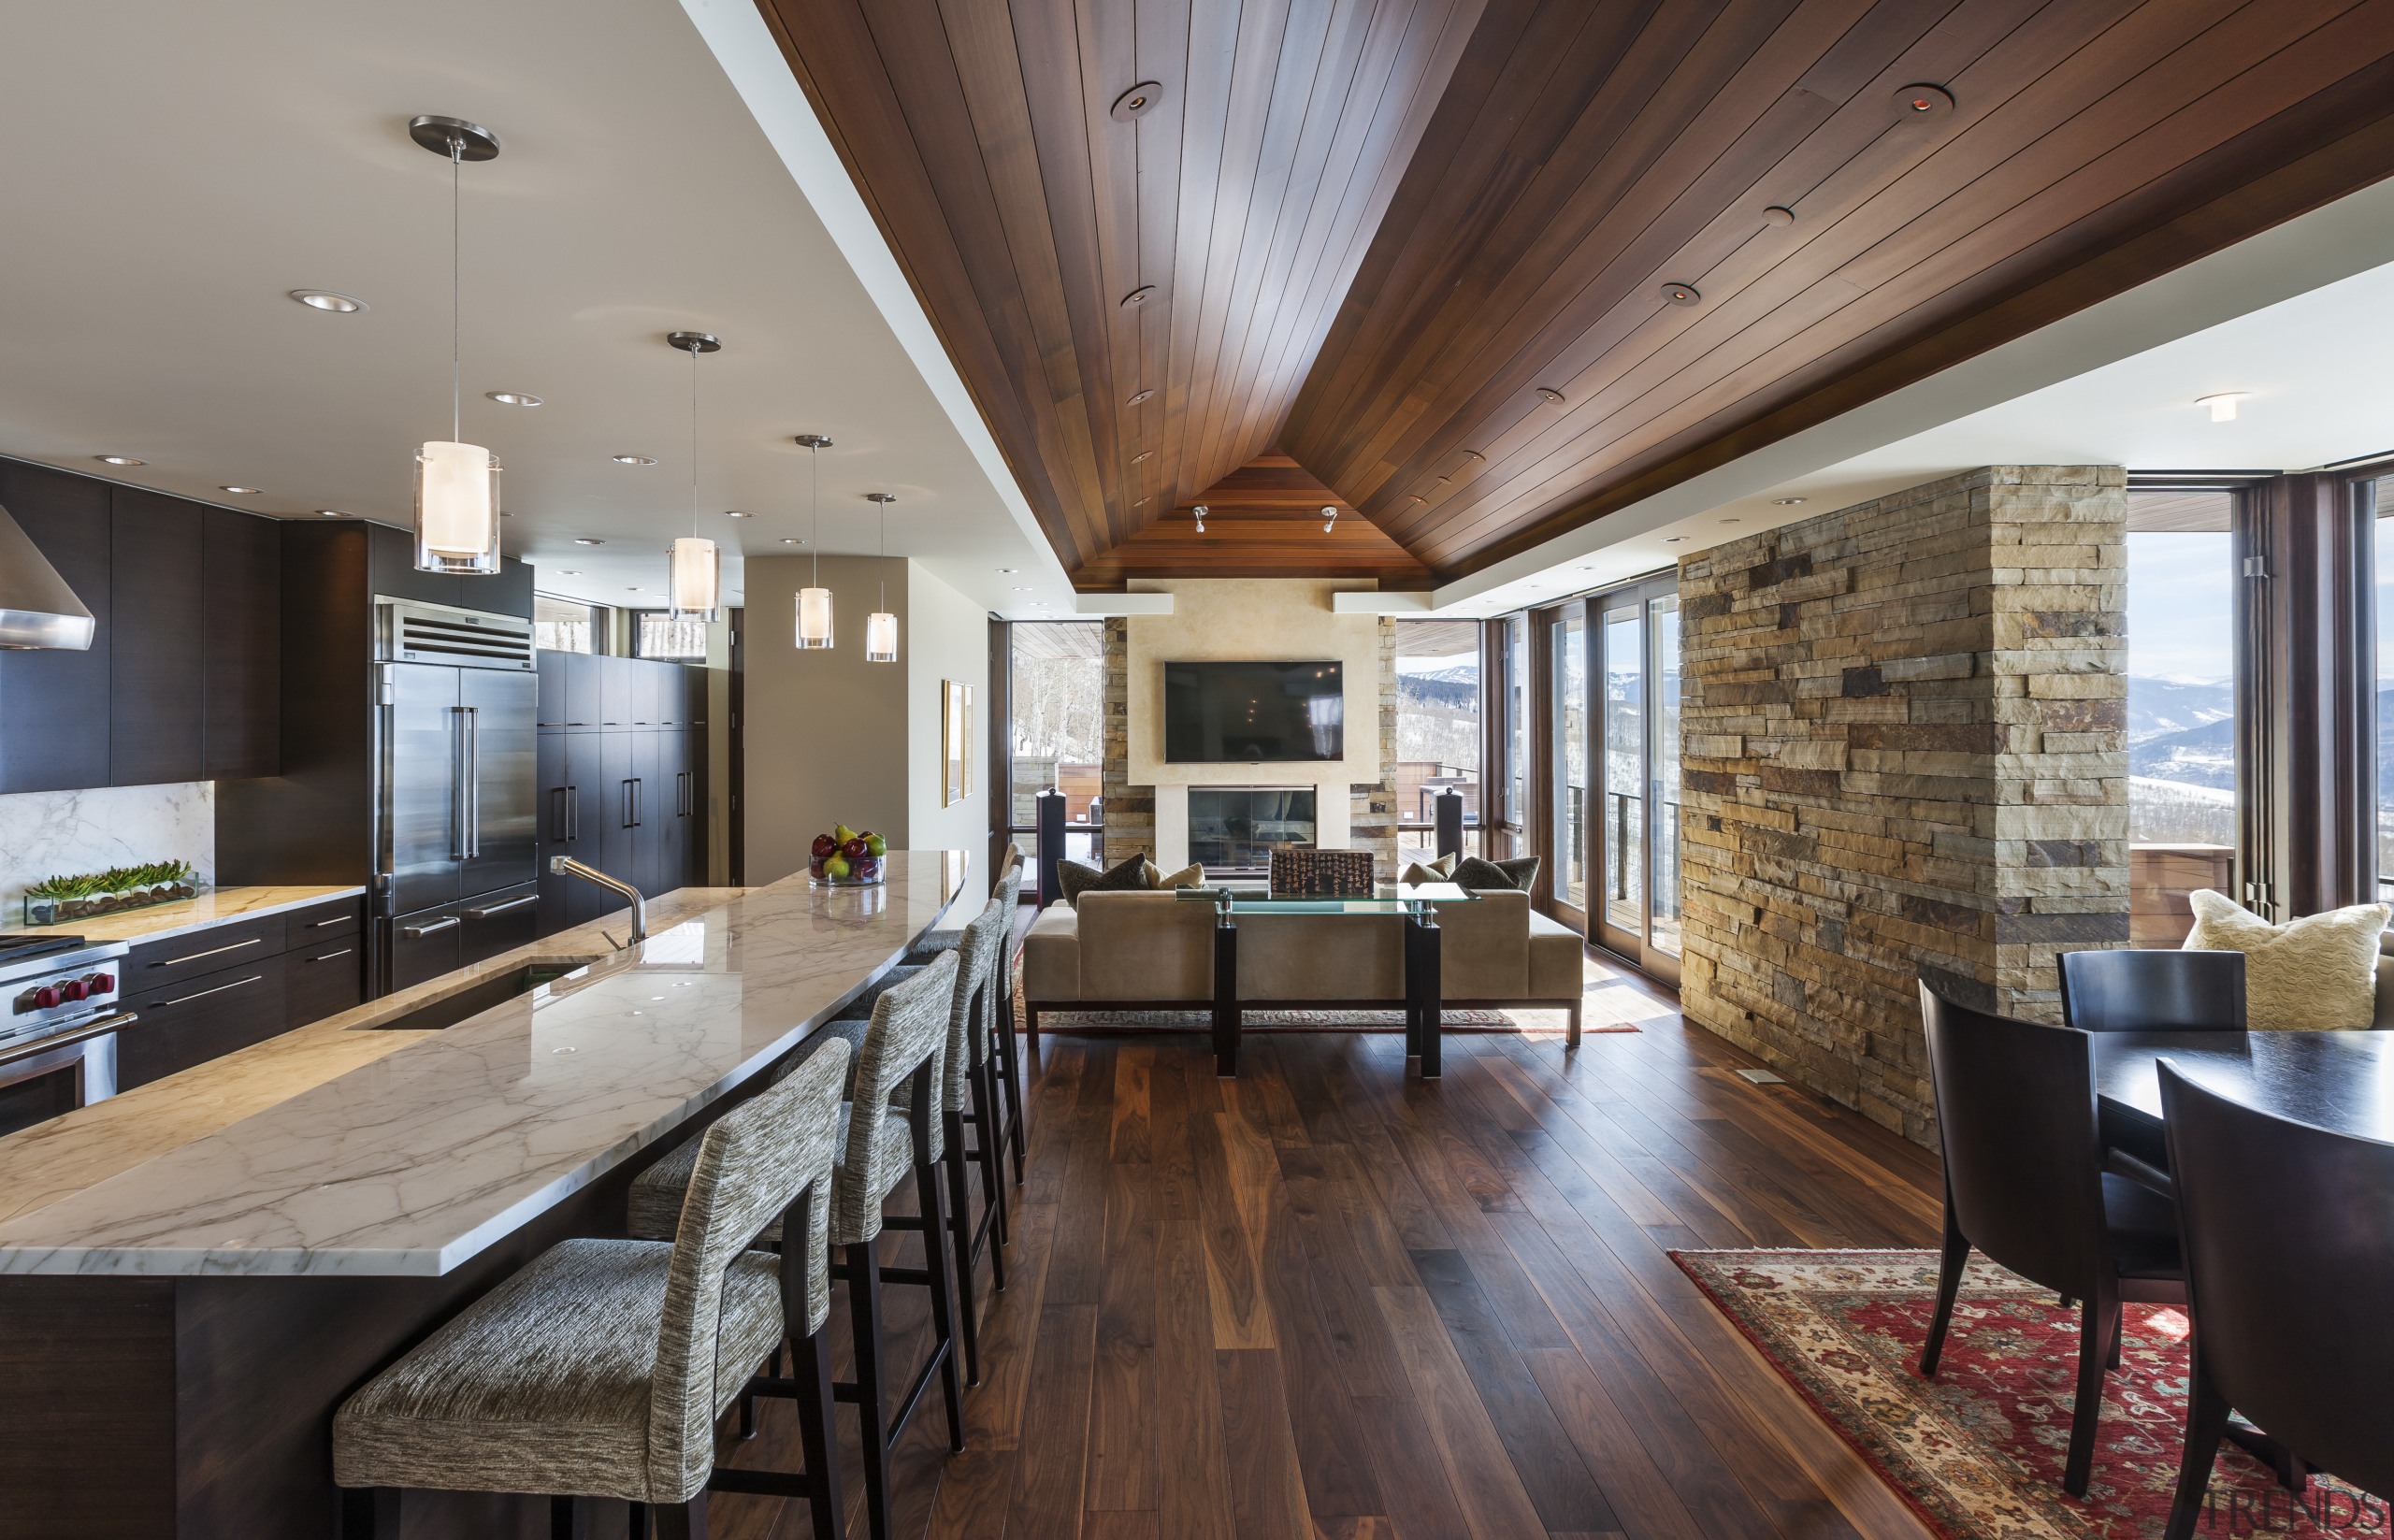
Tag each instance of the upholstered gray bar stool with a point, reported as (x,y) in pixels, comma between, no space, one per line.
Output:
(599,1370)
(930,944)
(967,1094)
(1008,1074)
(889,1126)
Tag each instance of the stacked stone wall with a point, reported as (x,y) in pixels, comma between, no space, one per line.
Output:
(1905,758)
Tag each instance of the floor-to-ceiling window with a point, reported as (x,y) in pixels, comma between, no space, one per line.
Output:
(2384,561)
(1439,730)
(2182,706)
(1634,835)
(1567,672)
(1512,836)
(1057,697)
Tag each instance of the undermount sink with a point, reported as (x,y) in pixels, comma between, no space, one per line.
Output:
(481,996)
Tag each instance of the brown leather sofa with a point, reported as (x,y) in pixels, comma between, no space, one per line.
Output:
(1149,951)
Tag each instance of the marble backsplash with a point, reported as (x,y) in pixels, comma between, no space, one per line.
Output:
(45,833)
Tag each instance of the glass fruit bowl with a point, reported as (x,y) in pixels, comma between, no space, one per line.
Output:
(867,872)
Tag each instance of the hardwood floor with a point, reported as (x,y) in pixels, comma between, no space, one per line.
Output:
(1326,1299)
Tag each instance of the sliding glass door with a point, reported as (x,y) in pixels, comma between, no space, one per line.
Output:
(1634,834)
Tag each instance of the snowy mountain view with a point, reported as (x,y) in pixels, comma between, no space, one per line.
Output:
(2182,761)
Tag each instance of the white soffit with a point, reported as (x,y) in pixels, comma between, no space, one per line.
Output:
(2302,316)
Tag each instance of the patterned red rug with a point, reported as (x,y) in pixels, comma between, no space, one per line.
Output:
(1978,1451)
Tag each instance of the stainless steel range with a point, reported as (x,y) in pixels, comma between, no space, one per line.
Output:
(58,1025)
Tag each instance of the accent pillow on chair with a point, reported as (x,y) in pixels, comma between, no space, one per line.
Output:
(2317,973)
(1518,875)
(1129,874)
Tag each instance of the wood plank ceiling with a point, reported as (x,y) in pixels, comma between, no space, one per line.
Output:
(1492,268)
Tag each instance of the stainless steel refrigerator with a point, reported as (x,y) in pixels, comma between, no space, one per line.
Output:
(456,868)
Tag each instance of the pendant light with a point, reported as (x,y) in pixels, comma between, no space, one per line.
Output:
(881,626)
(815,601)
(456,483)
(695,578)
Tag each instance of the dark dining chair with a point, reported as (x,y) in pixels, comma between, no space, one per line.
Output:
(2129,990)
(2024,1184)
(2290,1299)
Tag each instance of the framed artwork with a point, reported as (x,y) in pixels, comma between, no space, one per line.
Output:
(954,741)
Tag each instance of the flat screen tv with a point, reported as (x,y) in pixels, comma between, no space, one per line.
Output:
(1253,713)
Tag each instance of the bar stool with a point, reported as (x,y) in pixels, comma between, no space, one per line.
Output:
(599,1370)
(1002,1017)
(930,944)
(889,1126)
(968,1095)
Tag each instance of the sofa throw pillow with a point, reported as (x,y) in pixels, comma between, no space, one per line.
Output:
(1192,875)
(1128,875)
(1474,874)
(2317,973)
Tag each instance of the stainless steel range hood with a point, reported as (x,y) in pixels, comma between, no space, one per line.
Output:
(36,608)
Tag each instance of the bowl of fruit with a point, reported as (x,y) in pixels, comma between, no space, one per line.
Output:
(848,858)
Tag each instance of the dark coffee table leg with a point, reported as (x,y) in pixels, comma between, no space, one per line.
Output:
(1412,989)
(1424,989)
(1226,1013)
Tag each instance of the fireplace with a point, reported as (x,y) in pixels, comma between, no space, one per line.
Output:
(1234,829)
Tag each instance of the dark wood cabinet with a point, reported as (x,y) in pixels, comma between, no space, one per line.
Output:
(242,575)
(56,704)
(625,797)
(199,1018)
(323,978)
(158,667)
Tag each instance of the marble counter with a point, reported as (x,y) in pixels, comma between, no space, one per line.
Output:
(217,908)
(345,1149)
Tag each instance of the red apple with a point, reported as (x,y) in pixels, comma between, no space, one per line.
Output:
(869,868)
(825,846)
(855,850)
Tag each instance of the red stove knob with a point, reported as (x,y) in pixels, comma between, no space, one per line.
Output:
(71,989)
(44,997)
(101,982)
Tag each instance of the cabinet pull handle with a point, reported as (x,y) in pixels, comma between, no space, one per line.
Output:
(415,932)
(488,910)
(177,962)
(572,813)
(330,956)
(336,919)
(186,999)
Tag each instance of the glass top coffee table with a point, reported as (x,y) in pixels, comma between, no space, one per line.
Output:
(1415,907)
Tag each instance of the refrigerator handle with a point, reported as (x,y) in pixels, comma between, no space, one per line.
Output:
(457,783)
(473,781)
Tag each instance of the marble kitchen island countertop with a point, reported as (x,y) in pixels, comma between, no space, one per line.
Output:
(217,907)
(340,1149)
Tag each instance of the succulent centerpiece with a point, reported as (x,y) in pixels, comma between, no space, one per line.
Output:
(58,900)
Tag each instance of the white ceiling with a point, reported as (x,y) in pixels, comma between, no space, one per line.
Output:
(174,170)
(2302,317)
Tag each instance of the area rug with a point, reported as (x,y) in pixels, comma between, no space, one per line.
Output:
(1978,1451)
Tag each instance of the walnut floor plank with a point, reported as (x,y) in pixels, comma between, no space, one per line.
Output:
(1329,1300)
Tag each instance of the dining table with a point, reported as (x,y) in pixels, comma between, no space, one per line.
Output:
(2340,1081)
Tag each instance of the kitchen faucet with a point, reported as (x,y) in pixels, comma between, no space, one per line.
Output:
(567,866)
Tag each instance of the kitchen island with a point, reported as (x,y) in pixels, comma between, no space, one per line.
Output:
(194,1273)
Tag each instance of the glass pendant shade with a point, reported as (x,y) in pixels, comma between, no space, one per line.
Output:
(813,618)
(697,583)
(881,637)
(456,509)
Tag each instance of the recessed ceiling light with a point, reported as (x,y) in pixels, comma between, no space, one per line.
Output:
(1141,399)
(1673,539)
(1139,296)
(1142,456)
(1922,101)
(738,514)
(634,459)
(587,540)
(792,539)
(1009,572)
(631,590)
(1022,588)
(332,514)
(1779,214)
(513,397)
(1551,396)
(569,571)
(324,299)
(242,490)
(1135,103)
(1682,293)
(1728,521)
(1786,502)
(119,460)
(2222,403)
